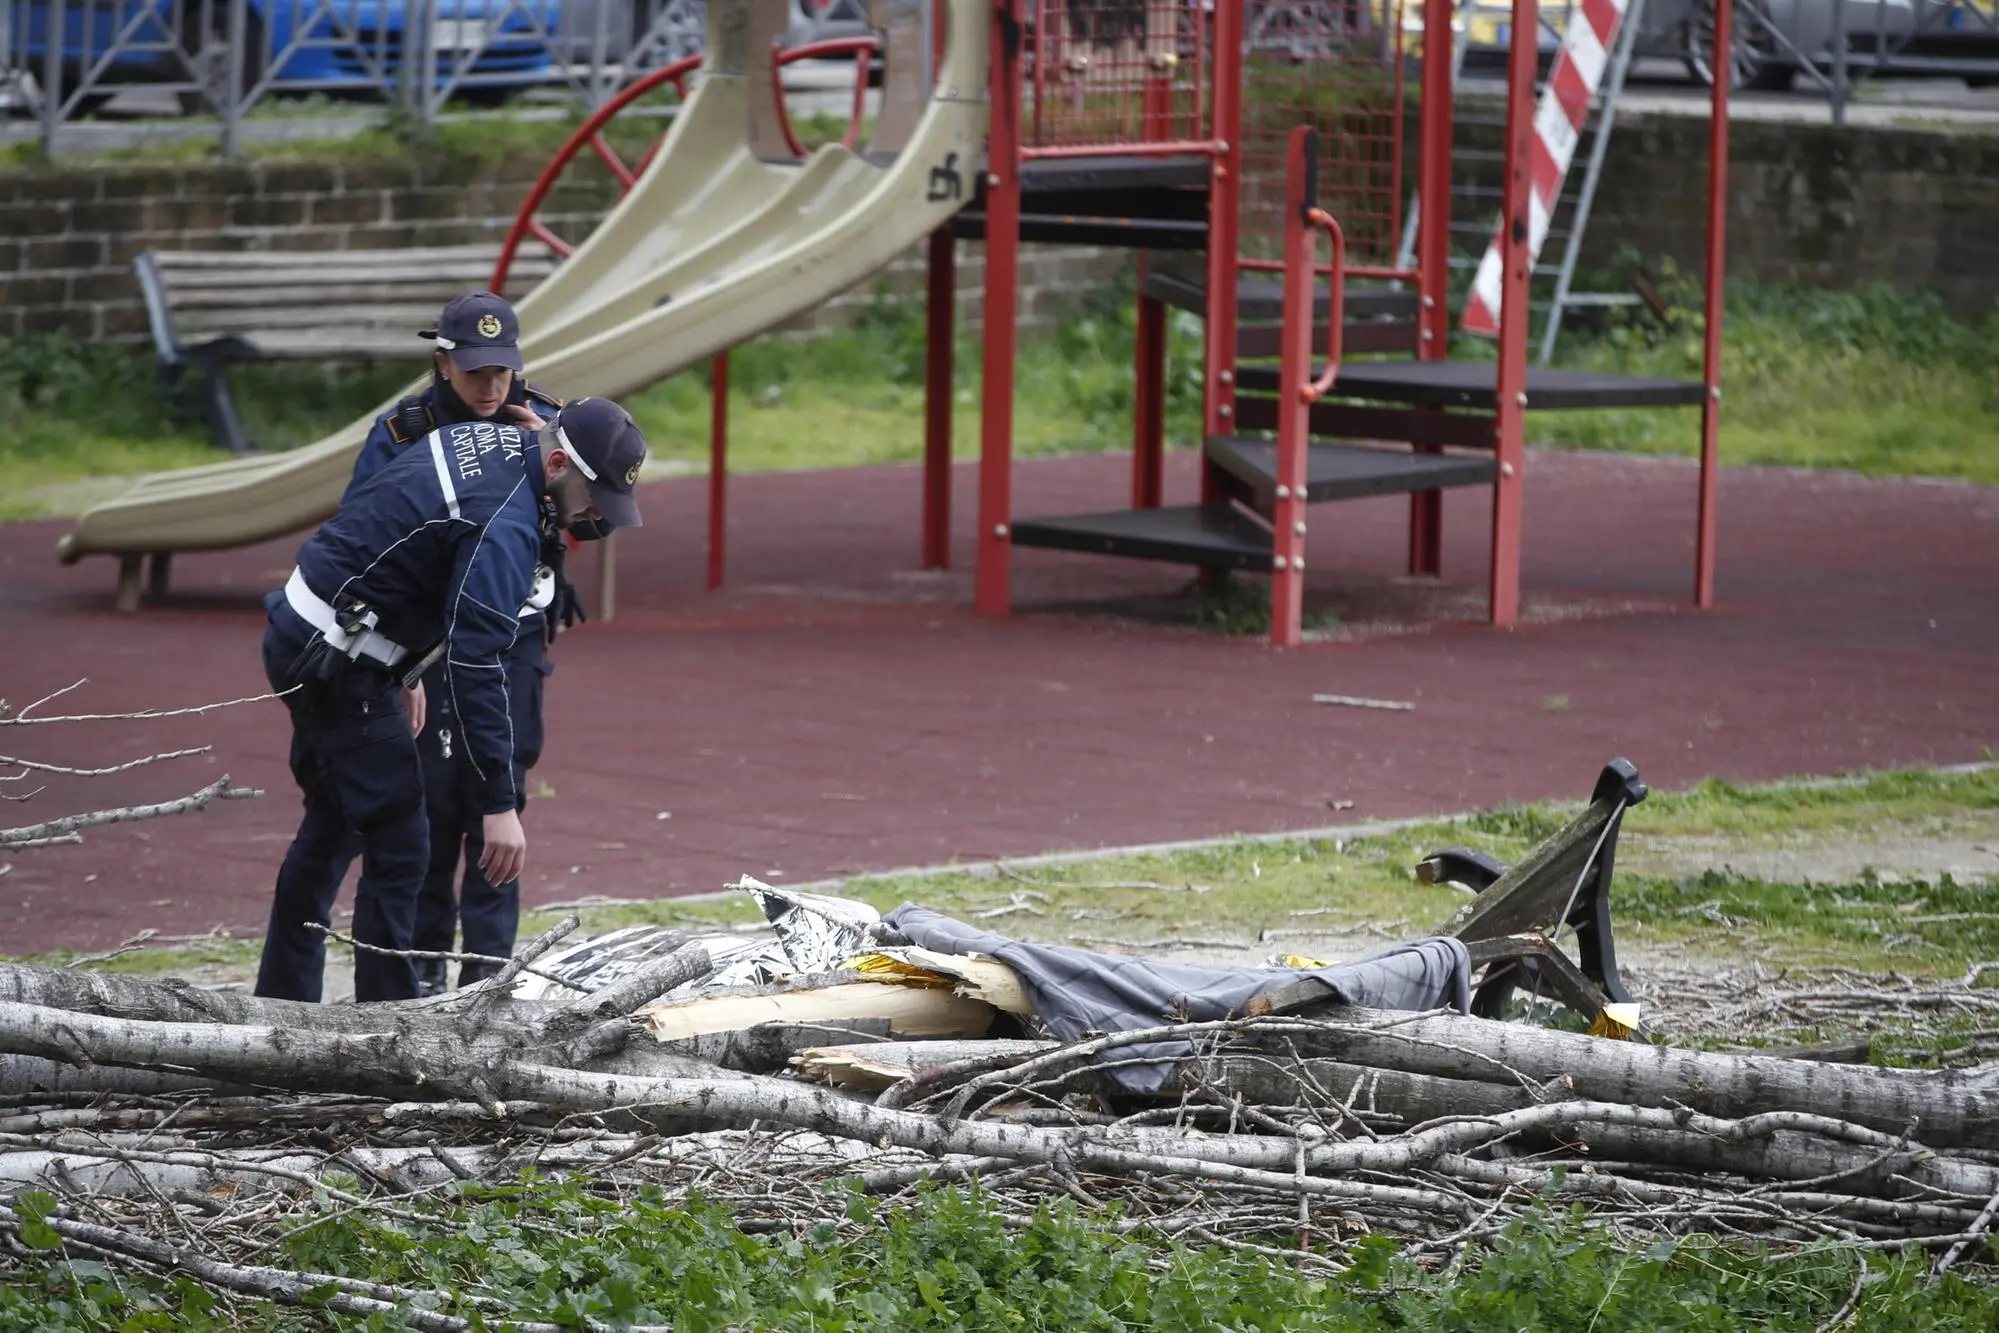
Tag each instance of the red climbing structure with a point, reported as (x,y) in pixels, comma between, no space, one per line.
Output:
(1221,139)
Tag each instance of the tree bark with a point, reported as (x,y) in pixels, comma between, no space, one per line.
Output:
(1947,1108)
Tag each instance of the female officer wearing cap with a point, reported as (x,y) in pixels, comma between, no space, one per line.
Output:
(476,376)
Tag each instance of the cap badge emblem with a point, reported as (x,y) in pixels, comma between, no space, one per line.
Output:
(489,326)
(632,475)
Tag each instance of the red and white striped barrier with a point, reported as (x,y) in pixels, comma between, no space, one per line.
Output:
(1558,122)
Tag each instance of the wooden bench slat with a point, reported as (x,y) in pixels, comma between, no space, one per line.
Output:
(334,274)
(227,259)
(329,299)
(404,321)
(316,345)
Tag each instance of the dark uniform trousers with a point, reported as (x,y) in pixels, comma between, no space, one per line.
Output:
(356,763)
(488,913)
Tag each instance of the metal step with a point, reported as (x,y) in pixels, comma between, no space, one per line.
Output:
(1072,229)
(1474,384)
(1260,300)
(1348,471)
(1218,536)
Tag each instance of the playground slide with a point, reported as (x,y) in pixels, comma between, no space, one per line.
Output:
(712,246)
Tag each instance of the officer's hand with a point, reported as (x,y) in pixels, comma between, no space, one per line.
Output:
(414,699)
(526,416)
(506,848)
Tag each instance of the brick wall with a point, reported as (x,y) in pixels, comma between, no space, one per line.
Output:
(1918,208)
(68,235)
(1808,203)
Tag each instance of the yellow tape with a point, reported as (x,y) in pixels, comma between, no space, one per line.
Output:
(881,967)
(1616,1021)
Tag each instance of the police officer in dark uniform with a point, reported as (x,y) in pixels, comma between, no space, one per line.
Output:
(476,376)
(427,563)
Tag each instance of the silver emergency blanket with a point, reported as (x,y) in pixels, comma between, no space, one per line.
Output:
(810,934)
(1077,993)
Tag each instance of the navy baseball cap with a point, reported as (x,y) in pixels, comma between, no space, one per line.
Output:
(477,330)
(605,444)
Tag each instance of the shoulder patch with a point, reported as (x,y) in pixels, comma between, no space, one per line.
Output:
(541,395)
(412,420)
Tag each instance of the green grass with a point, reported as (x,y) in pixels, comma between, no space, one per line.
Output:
(1875,381)
(79,410)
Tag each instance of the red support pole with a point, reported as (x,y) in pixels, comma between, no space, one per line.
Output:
(1717,226)
(1148,430)
(993,595)
(718,471)
(1509,427)
(1148,442)
(1294,413)
(1433,255)
(1224,215)
(940,307)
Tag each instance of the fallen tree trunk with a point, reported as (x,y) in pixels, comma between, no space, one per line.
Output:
(1945,1108)
(117,995)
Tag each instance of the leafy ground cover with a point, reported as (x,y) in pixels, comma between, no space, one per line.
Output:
(560,1253)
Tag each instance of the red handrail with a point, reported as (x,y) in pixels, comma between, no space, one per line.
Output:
(589,132)
(858,47)
(1325,222)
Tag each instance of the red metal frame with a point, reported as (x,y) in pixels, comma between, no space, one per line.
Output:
(590,133)
(1304,220)
(993,580)
(858,47)
(1148,425)
(940,330)
(1218,353)
(1433,257)
(718,471)
(1717,225)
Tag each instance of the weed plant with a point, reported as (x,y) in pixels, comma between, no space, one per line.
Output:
(557,1252)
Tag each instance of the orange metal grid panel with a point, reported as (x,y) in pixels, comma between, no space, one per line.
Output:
(1336,65)
(1112,73)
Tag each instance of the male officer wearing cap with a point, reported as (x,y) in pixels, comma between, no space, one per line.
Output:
(476,376)
(427,562)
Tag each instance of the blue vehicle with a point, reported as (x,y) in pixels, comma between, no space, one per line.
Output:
(485,50)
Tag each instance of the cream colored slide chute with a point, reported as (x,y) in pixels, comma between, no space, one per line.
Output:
(725,235)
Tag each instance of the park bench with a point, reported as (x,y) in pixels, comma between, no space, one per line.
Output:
(209,309)
(1510,928)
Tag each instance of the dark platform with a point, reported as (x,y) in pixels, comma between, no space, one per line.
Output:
(1134,202)
(1472,384)
(1216,536)
(1348,471)
(1141,233)
(1261,300)
(1130,172)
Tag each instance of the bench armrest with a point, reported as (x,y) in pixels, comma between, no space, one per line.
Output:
(159,312)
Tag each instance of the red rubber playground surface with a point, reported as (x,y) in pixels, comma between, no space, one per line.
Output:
(835,710)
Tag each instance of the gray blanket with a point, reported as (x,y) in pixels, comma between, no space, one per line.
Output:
(1076,992)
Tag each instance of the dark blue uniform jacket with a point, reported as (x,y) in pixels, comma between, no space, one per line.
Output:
(442,542)
(389,438)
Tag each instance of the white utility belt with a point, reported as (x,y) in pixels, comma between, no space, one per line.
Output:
(318,613)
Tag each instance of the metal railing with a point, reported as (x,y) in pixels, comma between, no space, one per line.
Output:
(62,61)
